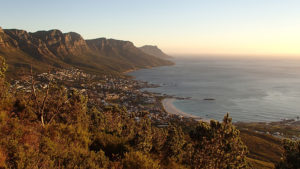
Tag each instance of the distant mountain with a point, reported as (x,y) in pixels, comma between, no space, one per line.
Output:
(154,51)
(46,49)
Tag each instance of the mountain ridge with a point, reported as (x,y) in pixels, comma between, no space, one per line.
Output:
(154,51)
(46,49)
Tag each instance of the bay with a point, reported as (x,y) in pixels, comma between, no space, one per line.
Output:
(251,90)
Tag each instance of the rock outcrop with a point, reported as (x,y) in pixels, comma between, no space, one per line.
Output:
(62,44)
(27,43)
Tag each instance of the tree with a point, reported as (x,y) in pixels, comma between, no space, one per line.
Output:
(218,145)
(2,159)
(39,100)
(3,67)
(138,160)
(291,157)
(174,144)
(5,96)
(143,138)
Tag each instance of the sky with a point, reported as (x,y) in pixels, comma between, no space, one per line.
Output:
(178,27)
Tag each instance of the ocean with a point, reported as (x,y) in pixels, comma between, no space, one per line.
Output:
(250,90)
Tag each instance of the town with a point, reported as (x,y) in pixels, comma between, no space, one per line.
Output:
(110,90)
(104,91)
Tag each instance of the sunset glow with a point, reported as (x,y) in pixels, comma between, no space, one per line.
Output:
(216,27)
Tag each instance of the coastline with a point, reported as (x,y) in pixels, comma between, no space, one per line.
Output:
(128,71)
(278,129)
(170,108)
(167,103)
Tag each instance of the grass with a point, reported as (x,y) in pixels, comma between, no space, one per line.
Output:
(264,150)
(258,164)
(286,128)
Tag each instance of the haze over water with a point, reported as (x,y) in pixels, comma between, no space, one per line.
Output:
(251,90)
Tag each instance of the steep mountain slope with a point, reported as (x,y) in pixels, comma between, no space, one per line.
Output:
(21,51)
(45,49)
(154,51)
(124,52)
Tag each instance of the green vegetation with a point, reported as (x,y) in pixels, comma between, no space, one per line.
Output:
(55,128)
(258,164)
(291,159)
(261,146)
(285,128)
(264,141)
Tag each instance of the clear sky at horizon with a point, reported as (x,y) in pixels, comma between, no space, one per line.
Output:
(215,27)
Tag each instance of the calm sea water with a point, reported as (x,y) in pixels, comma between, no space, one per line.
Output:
(250,90)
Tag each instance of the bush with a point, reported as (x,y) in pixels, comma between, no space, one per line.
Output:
(2,158)
(138,160)
(218,145)
(291,158)
(113,146)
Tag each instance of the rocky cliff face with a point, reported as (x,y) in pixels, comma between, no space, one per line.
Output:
(60,44)
(117,48)
(56,48)
(6,42)
(24,41)
(102,46)
(1,37)
(154,51)
(125,53)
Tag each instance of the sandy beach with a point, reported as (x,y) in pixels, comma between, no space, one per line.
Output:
(171,109)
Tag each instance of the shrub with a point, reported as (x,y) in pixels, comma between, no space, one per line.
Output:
(138,160)
(291,156)
(218,145)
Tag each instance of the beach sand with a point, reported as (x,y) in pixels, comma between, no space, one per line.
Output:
(171,109)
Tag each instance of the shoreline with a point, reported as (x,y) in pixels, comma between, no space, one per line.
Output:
(128,71)
(167,103)
(278,129)
(170,108)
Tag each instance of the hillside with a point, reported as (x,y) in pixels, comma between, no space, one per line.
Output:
(46,49)
(154,51)
(264,150)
